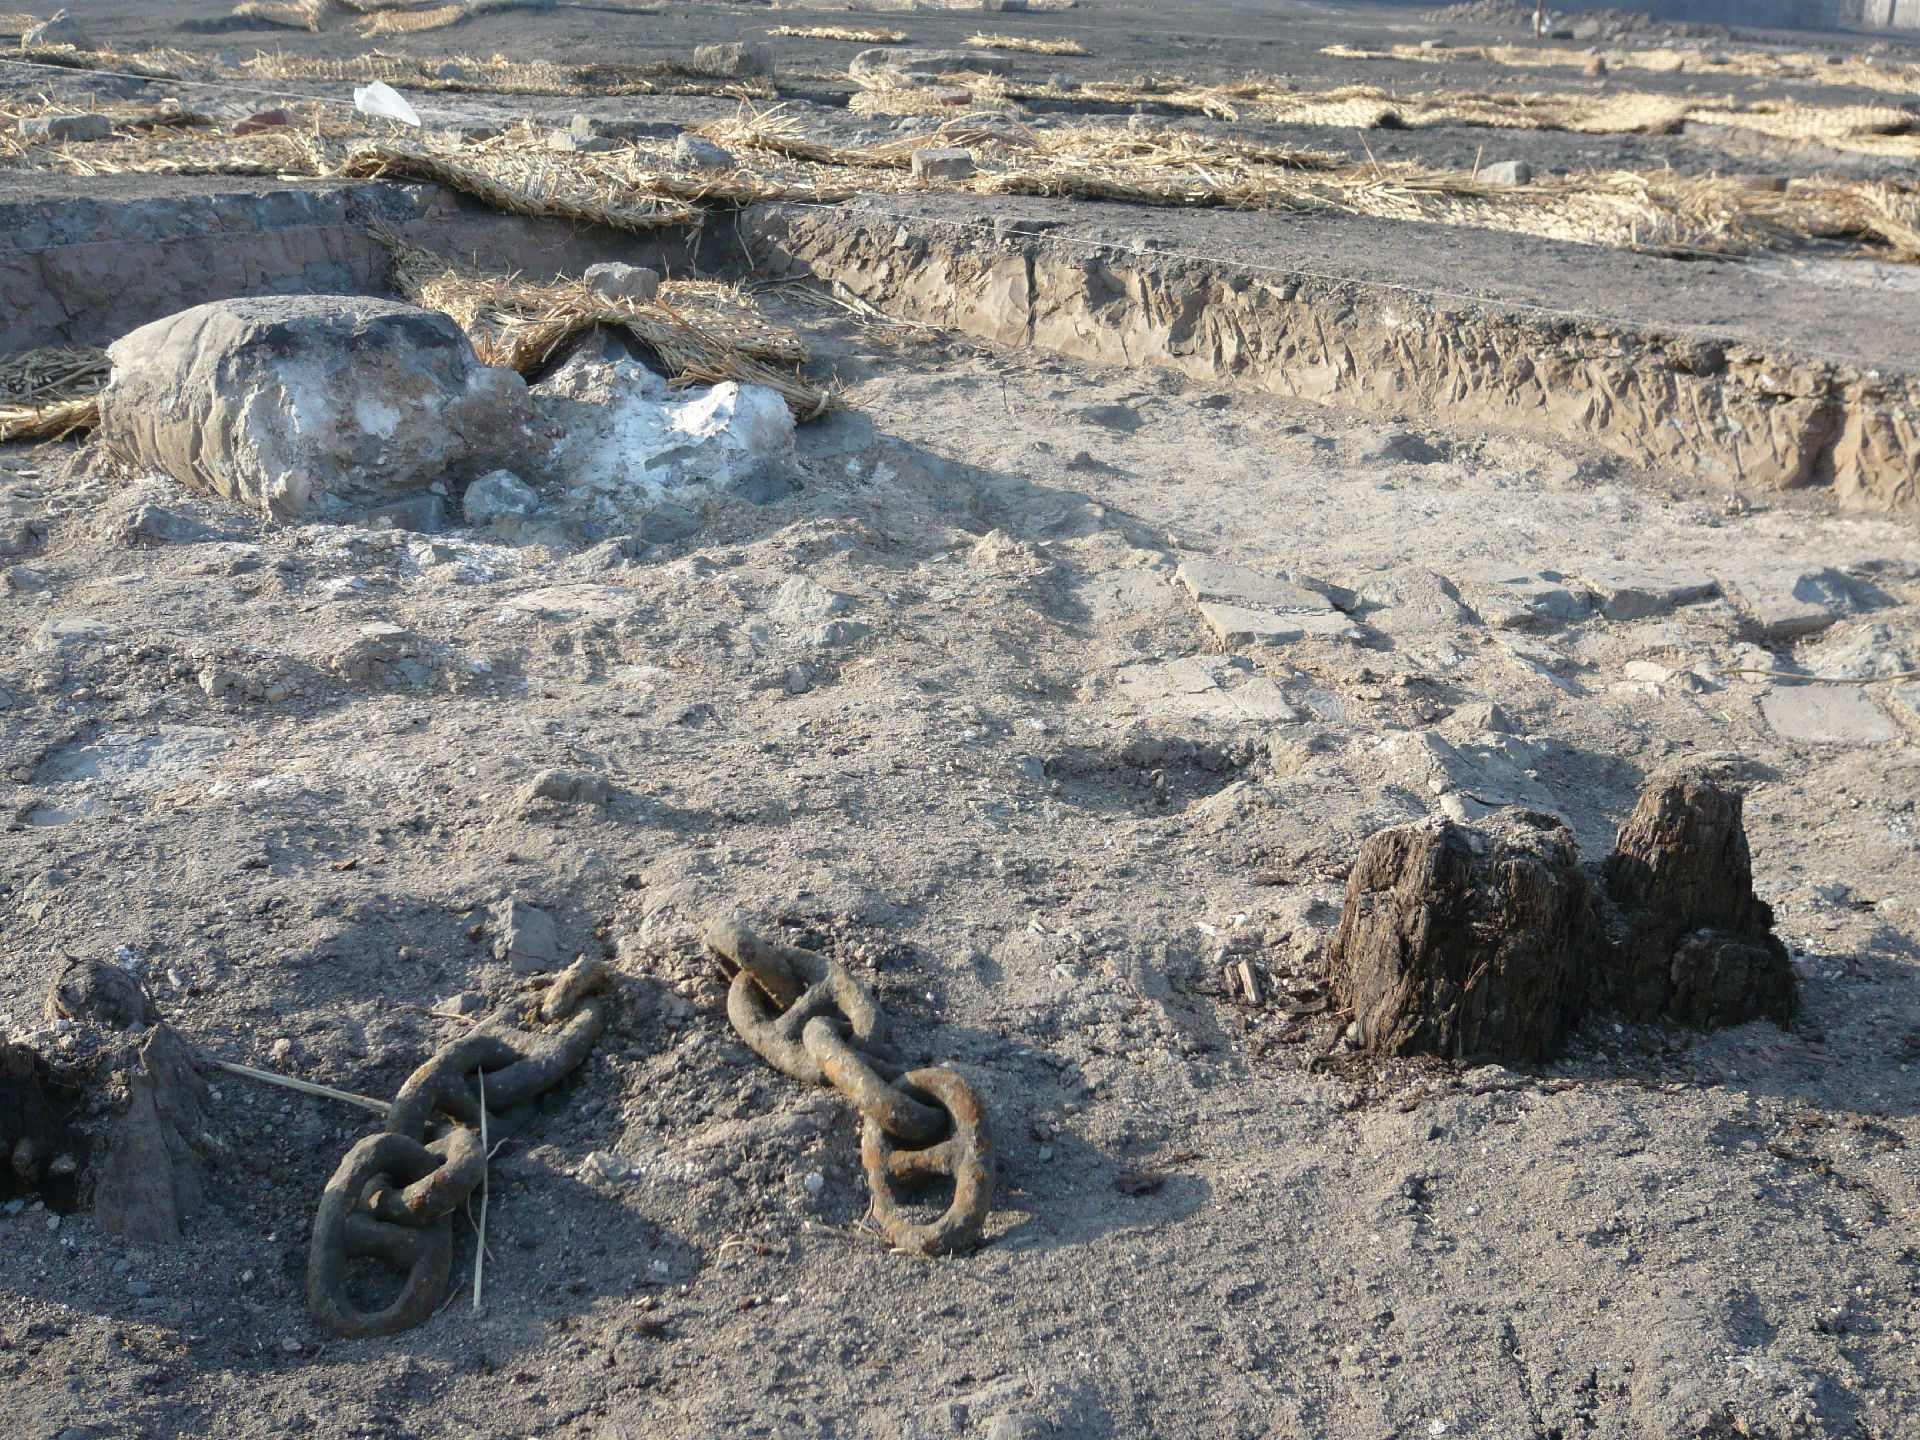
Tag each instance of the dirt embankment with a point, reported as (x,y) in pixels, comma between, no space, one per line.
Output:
(1742,415)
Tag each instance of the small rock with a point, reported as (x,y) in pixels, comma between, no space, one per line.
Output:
(58,29)
(667,522)
(799,679)
(928,62)
(1635,592)
(619,284)
(420,514)
(566,785)
(450,70)
(1218,582)
(281,1051)
(1237,625)
(1786,604)
(467,1002)
(814,1182)
(153,525)
(498,493)
(1483,716)
(942,162)
(1063,81)
(1827,715)
(1544,601)
(696,152)
(566,140)
(1506,172)
(605,1167)
(139,1288)
(733,59)
(527,939)
(275,119)
(73,128)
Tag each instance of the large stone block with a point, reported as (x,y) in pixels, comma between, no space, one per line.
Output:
(311,405)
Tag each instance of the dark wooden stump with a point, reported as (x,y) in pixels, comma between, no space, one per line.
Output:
(29,1125)
(1685,936)
(146,1170)
(1457,942)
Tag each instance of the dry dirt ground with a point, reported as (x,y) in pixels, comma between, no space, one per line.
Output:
(947,714)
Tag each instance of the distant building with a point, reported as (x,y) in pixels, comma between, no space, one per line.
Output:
(1890,14)
(1759,14)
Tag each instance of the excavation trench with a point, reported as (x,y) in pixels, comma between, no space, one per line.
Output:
(1728,406)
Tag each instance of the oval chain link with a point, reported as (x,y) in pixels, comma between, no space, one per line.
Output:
(809,1018)
(393,1196)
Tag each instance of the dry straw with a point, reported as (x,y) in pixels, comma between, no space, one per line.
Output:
(985,41)
(841,32)
(1661,212)
(412,22)
(1851,71)
(702,332)
(315,15)
(504,75)
(51,392)
(521,183)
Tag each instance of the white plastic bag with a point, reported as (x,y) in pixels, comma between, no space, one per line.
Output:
(381,98)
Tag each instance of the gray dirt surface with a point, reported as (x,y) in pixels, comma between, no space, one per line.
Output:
(1017,805)
(1018,785)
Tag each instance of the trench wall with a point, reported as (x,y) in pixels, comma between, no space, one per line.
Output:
(88,270)
(1731,413)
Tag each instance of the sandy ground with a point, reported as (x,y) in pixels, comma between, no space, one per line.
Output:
(947,715)
(1013,789)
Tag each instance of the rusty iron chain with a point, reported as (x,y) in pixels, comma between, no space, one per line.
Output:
(393,1196)
(809,1018)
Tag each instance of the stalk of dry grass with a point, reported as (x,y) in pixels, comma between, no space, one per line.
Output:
(841,32)
(983,41)
(412,22)
(51,392)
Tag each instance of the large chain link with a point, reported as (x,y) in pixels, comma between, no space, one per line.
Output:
(393,1196)
(806,1016)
